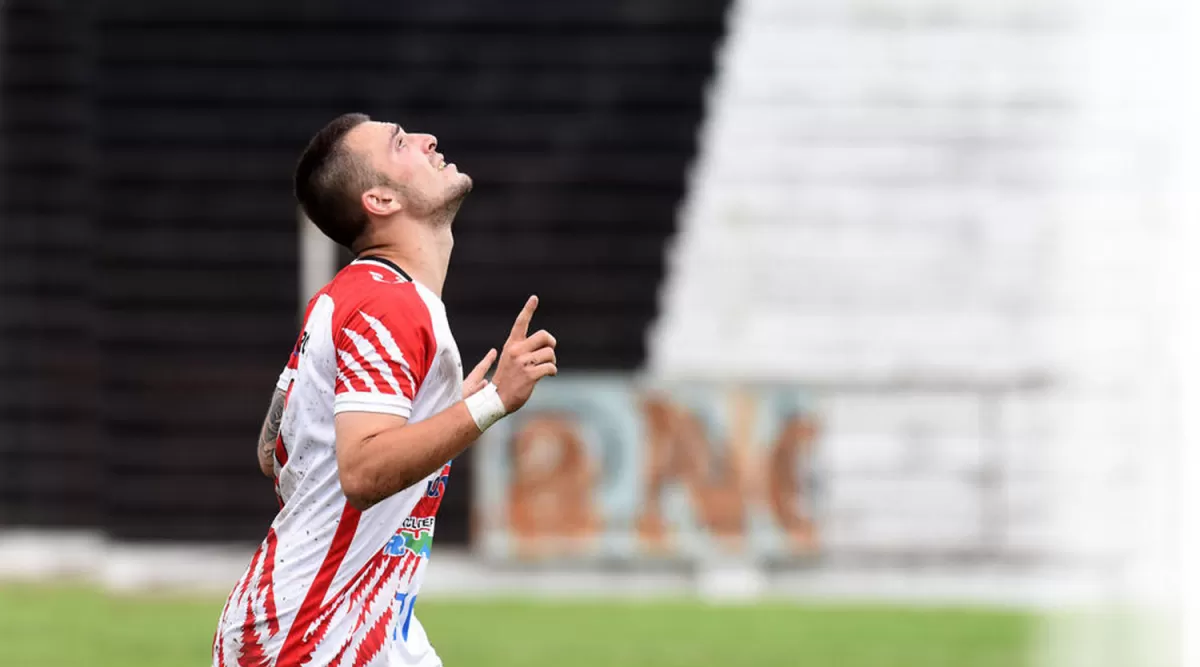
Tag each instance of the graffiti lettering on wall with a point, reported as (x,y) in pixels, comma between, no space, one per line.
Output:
(550,492)
(678,449)
(612,470)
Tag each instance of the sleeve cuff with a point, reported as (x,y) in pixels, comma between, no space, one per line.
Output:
(390,404)
(285,379)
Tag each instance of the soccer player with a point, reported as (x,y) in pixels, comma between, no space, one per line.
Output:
(368,413)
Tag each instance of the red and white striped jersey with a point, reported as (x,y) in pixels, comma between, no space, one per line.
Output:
(331,585)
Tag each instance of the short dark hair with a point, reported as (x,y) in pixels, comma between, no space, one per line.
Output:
(330,180)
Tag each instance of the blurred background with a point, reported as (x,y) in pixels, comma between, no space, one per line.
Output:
(871,321)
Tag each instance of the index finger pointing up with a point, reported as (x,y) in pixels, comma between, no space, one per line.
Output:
(521,326)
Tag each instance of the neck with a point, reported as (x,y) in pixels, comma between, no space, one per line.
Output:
(423,251)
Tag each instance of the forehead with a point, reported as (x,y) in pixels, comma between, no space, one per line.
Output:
(371,133)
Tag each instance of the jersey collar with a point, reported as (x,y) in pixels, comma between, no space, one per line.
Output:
(385,262)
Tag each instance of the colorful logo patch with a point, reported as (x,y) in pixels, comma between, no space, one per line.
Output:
(416,535)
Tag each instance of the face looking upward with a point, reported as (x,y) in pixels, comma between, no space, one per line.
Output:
(416,177)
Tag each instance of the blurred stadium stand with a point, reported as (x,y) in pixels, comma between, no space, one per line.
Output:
(930,215)
(868,218)
(871,202)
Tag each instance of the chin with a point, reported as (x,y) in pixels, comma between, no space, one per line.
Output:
(462,185)
(455,193)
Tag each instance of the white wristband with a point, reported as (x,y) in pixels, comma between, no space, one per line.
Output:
(485,407)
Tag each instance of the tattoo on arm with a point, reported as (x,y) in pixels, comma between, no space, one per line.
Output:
(269,434)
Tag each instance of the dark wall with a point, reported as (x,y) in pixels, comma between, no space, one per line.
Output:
(50,460)
(148,236)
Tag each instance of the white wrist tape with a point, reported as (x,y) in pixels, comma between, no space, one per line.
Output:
(485,407)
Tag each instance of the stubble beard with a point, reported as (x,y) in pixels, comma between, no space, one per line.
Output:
(443,214)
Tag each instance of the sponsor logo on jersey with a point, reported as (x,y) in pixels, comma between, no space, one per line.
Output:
(301,345)
(387,280)
(418,523)
(415,535)
(437,486)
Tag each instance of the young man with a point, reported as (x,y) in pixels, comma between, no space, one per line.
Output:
(368,413)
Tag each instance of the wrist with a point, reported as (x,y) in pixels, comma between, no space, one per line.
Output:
(486,407)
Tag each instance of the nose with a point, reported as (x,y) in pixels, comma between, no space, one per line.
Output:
(429,141)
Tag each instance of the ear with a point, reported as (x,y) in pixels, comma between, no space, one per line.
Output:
(380,201)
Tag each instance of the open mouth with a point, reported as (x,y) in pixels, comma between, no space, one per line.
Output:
(440,163)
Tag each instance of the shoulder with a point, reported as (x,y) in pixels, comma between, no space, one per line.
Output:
(378,311)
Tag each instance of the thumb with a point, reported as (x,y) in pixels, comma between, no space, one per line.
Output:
(478,373)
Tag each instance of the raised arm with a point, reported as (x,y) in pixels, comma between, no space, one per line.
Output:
(382,454)
(270,433)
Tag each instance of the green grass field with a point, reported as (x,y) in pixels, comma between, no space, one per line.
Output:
(80,627)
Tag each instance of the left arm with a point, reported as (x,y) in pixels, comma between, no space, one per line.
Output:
(270,433)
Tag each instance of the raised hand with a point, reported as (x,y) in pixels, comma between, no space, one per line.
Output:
(524,360)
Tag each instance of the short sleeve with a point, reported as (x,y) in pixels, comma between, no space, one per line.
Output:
(289,371)
(285,378)
(384,347)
